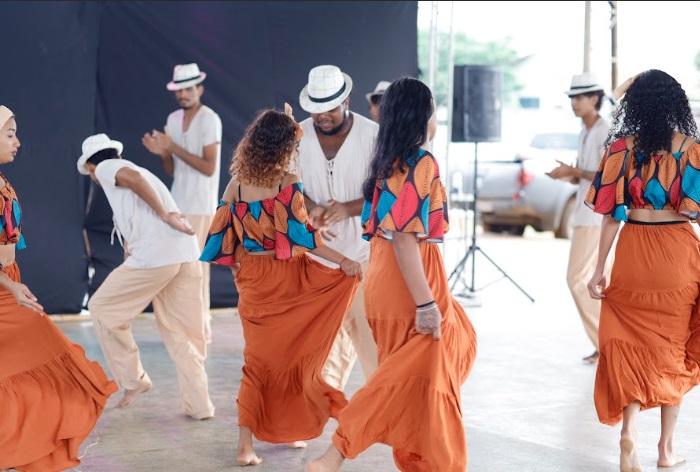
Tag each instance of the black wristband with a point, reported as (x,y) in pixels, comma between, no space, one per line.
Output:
(425,304)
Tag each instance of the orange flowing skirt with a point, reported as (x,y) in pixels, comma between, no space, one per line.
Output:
(649,332)
(291,312)
(51,395)
(413,401)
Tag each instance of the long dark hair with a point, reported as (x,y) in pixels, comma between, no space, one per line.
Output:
(404,113)
(654,107)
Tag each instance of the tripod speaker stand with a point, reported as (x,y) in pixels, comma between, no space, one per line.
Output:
(476,117)
(474,248)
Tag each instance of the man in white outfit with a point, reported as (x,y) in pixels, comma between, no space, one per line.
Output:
(160,267)
(586,100)
(334,158)
(190,151)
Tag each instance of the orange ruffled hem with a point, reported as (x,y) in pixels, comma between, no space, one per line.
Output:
(50,410)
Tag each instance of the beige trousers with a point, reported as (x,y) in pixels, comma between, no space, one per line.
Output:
(201,224)
(583,257)
(354,340)
(178,310)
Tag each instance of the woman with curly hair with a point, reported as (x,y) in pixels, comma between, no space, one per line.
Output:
(649,331)
(425,341)
(291,306)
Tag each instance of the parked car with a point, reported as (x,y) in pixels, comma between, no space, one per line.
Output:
(516,192)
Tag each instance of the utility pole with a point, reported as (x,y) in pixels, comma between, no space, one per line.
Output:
(587,37)
(613,43)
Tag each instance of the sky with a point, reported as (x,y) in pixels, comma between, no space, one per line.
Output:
(651,34)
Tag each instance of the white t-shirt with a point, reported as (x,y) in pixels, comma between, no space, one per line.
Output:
(339,179)
(591,147)
(150,242)
(194,192)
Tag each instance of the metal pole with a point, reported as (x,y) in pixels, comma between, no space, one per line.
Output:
(613,43)
(587,38)
(449,101)
(433,60)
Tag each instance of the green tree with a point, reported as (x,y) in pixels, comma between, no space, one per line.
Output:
(467,52)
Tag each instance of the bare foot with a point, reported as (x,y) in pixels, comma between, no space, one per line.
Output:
(592,359)
(329,462)
(248,458)
(296,445)
(669,460)
(130,396)
(629,459)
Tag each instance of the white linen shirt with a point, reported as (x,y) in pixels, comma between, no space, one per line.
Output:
(340,179)
(194,192)
(591,147)
(150,241)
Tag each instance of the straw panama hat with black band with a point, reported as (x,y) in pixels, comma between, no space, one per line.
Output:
(185,76)
(583,83)
(95,144)
(327,88)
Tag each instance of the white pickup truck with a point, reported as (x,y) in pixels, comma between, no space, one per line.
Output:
(515,192)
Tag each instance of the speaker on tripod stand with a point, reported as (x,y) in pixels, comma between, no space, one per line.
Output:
(476,118)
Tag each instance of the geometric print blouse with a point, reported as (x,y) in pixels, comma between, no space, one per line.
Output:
(412,201)
(278,223)
(667,182)
(10,217)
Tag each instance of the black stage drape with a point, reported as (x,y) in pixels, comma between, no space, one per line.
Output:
(79,68)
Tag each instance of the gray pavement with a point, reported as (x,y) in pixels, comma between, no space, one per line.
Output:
(527,405)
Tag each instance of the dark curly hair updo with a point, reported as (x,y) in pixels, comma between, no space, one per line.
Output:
(405,110)
(263,154)
(653,109)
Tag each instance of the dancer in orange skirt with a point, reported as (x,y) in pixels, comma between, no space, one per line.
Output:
(426,343)
(51,395)
(291,306)
(649,336)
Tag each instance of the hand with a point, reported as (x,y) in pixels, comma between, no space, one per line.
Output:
(336,212)
(163,141)
(317,218)
(564,172)
(351,268)
(178,222)
(597,285)
(150,143)
(26,298)
(428,321)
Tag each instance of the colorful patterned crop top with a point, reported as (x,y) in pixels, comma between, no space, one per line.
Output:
(667,182)
(10,217)
(278,223)
(413,201)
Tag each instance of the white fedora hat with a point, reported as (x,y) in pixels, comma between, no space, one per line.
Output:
(95,144)
(378,90)
(186,75)
(327,88)
(583,83)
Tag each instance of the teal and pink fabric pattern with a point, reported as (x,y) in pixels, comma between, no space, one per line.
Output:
(410,201)
(279,224)
(667,182)
(10,217)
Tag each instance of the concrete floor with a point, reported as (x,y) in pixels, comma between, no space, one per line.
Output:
(527,405)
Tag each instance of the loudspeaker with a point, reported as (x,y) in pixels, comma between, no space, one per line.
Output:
(476,104)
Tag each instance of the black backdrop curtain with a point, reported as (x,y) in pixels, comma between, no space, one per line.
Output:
(73,69)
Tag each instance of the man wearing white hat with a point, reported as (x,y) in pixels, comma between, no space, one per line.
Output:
(334,157)
(586,100)
(160,267)
(190,151)
(375,97)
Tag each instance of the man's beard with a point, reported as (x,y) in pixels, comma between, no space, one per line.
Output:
(335,130)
